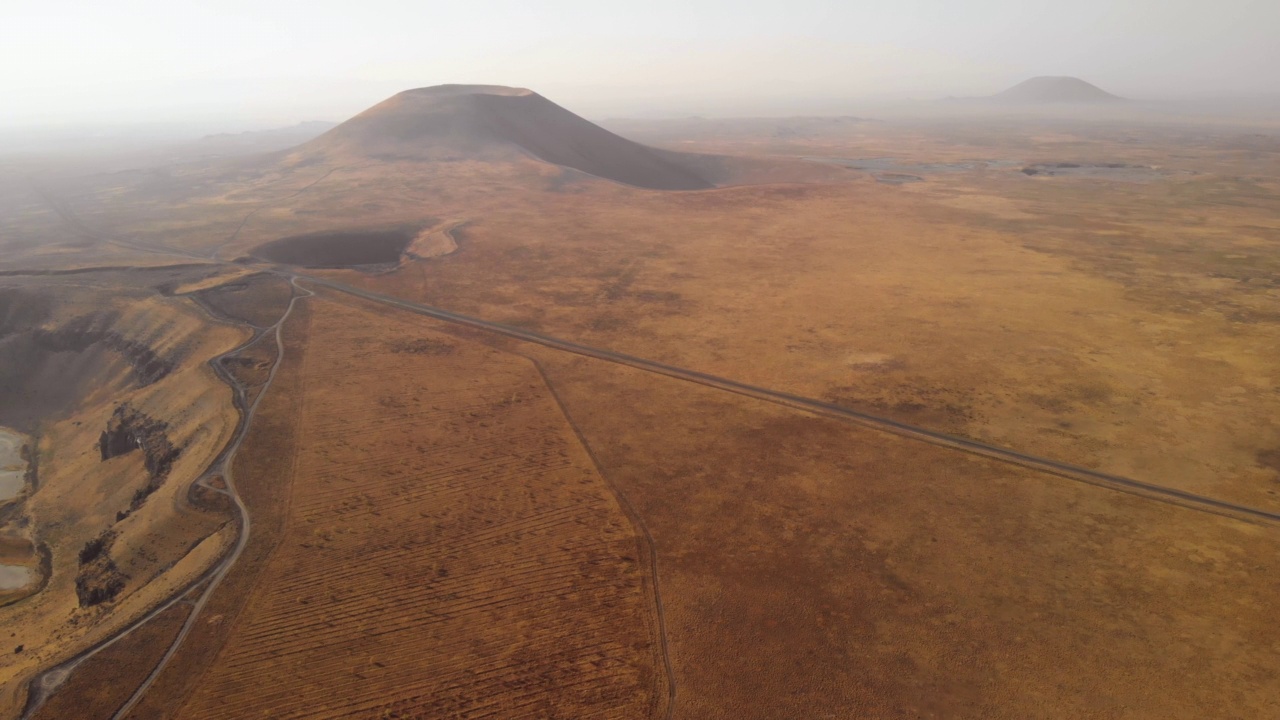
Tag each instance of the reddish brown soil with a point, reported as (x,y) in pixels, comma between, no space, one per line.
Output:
(810,568)
(449,551)
(105,681)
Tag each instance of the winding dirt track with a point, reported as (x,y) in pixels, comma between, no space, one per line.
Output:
(223,467)
(1055,467)
(47,682)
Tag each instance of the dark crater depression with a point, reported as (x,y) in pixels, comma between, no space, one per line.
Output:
(345,248)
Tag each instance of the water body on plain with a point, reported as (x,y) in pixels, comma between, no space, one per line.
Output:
(1105,171)
(13,577)
(894,165)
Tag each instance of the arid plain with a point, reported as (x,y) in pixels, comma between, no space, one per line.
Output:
(534,422)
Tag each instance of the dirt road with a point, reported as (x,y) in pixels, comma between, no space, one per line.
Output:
(1055,467)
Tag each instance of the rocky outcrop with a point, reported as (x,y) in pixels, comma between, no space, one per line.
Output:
(99,579)
(130,429)
(79,335)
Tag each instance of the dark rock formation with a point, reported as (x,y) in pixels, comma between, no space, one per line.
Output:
(130,429)
(99,579)
(78,335)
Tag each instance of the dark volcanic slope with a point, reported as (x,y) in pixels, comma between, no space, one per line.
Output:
(1056,90)
(453,122)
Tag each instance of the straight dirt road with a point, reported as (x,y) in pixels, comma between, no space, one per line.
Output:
(1055,467)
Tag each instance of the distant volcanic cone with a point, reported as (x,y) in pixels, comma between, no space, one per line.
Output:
(1042,90)
(489,122)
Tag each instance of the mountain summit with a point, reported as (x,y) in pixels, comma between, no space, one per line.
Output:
(1056,90)
(490,122)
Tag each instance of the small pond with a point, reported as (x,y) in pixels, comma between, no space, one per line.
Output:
(13,577)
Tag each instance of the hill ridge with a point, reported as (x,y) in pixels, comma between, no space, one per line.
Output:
(494,122)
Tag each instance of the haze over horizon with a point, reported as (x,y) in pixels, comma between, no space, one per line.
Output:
(238,62)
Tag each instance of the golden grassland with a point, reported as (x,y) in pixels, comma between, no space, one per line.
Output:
(810,568)
(806,567)
(1128,326)
(449,549)
(1131,328)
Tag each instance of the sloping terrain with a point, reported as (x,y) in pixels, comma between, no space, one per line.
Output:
(47,368)
(807,566)
(493,123)
(123,411)
(467,148)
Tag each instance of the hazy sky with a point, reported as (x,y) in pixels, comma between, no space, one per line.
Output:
(280,61)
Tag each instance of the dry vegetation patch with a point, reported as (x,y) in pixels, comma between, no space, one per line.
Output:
(1127,327)
(431,538)
(101,685)
(450,550)
(810,568)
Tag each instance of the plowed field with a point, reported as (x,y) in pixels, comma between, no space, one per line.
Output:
(451,550)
